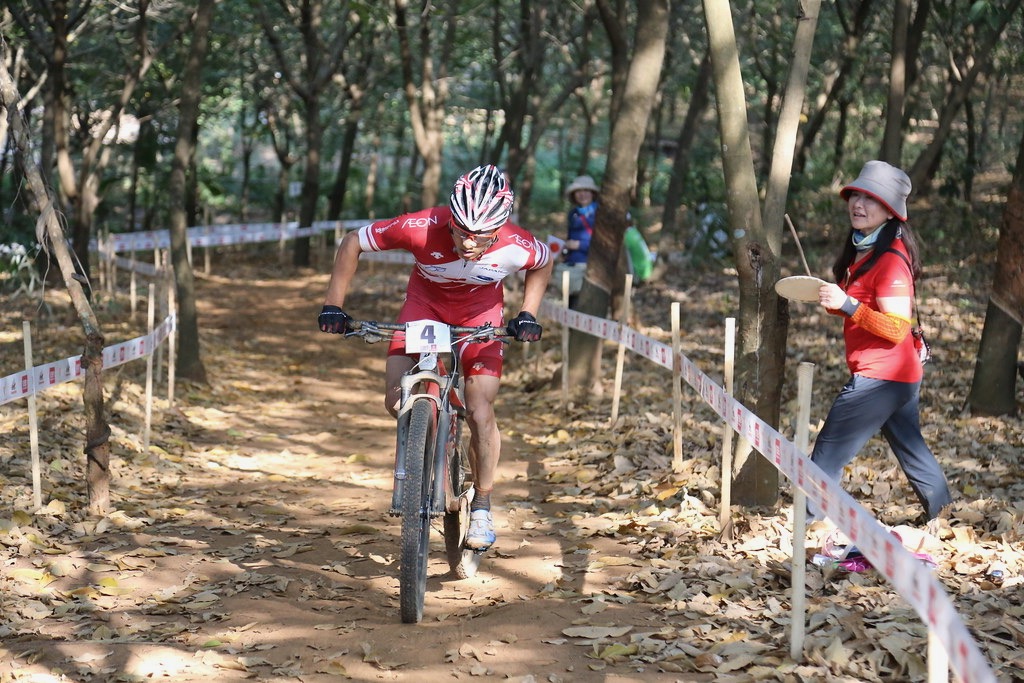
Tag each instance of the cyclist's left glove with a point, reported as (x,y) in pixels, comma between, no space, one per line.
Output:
(525,328)
(333,319)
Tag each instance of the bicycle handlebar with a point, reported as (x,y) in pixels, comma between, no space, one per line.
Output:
(373,331)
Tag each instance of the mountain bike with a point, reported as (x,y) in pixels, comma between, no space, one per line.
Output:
(431,454)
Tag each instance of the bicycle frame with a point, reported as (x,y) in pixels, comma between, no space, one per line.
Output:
(428,379)
(428,473)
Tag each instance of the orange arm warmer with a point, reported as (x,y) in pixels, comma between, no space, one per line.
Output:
(888,326)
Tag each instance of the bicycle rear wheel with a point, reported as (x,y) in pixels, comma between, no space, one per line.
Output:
(412,574)
(462,561)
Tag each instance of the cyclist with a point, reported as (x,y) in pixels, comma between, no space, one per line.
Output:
(462,252)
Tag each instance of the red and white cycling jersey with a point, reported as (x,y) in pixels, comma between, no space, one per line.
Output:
(447,288)
(426,235)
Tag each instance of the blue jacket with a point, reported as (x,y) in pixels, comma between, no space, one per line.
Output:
(581,227)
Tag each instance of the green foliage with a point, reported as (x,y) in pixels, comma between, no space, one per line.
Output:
(18,271)
(243,88)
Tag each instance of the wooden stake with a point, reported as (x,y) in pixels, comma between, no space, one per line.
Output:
(725,514)
(565,343)
(621,358)
(938,660)
(33,419)
(171,339)
(133,293)
(677,393)
(149,368)
(798,581)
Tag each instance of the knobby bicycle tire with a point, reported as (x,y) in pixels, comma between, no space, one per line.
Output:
(463,562)
(415,514)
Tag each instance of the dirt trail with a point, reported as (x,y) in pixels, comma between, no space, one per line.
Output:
(252,542)
(269,554)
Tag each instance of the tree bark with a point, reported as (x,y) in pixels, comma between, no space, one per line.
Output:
(926,163)
(837,92)
(993,389)
(189,362)
(323,38)
(892,139)
(627,136)
(49,234)
(671,231)
(765,354)
(764,317)
(428,98)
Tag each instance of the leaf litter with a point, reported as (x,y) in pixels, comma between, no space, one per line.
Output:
(220,513)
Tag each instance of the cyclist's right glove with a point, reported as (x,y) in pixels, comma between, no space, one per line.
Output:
(334,320)
(525,328)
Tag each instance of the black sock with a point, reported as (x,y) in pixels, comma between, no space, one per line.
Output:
(481,500)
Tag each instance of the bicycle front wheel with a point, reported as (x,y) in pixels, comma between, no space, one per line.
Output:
(415,510)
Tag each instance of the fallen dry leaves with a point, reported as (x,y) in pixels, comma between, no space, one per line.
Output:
(227,559)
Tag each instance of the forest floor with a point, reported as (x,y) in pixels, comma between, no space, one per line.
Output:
(251,540)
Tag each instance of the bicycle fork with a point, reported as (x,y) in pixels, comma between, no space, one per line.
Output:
(414,384)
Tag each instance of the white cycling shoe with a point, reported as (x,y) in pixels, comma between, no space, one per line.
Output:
(481,530)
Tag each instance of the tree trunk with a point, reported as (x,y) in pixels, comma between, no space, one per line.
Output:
(48,232)
(763,318)
(82,187)
(995,372)
(627,136)
(781,168)
(764,357)
(837,91)
(892,140)
(427,99)
(189,363)
(310,177)
(528,99)
(671,231)
(923,168)
(336,198)
(310,42)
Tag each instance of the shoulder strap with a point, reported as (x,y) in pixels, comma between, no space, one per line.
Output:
(586,224)
(902,256)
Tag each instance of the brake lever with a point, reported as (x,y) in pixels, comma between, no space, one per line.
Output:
(369,332)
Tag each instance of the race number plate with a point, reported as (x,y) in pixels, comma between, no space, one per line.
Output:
(427,336)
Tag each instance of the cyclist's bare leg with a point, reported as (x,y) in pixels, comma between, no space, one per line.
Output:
(485,439)
(485,449)
(394,369)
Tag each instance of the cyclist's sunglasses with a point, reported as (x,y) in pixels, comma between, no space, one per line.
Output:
(477,237)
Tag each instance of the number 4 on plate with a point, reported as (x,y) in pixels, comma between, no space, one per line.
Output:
(427,336)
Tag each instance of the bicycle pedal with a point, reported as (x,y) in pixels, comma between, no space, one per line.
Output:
(394,513)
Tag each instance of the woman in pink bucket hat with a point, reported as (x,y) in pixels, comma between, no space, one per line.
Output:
(876,271)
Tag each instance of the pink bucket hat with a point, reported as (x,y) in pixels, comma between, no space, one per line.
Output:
(884,182)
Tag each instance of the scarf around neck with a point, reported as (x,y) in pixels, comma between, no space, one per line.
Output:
(862,242)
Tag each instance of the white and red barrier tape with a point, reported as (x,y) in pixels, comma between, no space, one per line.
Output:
(913,580)
(23,384)
(221,235)
(908,575)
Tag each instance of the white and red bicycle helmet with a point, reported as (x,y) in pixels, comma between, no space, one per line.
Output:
(482,199)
